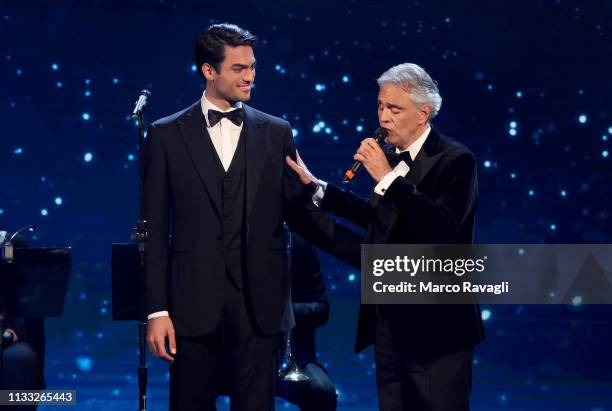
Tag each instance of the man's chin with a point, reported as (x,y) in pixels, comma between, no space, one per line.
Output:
(243,97)
(392,139)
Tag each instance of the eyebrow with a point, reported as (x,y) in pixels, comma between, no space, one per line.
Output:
(390,105)
(243,66)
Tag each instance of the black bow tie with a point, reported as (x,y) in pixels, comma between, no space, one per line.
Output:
(395,158)
(235,116)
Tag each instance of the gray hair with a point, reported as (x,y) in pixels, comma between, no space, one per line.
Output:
(414,80)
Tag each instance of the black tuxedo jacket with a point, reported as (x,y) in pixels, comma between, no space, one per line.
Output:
(435,203)
(185,268)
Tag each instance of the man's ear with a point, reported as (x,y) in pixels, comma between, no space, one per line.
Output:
(209,72)
(424,113)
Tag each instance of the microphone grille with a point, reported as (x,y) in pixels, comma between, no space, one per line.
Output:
(380,134)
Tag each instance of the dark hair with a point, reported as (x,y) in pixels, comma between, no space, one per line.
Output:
(210,45)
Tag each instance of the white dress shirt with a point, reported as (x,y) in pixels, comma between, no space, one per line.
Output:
(224,136)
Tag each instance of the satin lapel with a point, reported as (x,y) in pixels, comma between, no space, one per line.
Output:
(256,150)
(427,157)
(193,131)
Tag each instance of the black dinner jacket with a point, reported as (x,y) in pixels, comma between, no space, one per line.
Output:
(184,259)
(435,203)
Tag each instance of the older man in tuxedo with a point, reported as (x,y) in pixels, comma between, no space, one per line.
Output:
(426,193)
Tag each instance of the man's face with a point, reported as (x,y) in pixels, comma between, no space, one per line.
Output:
(236,74)
(400,116)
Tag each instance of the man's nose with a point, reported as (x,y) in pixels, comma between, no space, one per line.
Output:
(249,76)
(383,116)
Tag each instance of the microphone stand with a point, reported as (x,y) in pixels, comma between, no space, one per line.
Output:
(139,234)
(8,246)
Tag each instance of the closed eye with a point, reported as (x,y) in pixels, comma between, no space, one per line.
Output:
(237,68)
(392,107)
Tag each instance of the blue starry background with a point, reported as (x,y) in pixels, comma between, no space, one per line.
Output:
(525,84)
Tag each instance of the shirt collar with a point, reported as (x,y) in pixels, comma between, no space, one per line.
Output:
(207,105)
(415,147)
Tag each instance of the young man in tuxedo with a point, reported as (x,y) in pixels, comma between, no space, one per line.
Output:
(426,193)
(217,191)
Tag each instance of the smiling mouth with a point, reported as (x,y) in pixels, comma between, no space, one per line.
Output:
(245,87)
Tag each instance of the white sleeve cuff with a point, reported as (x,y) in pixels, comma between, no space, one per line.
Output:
(318,195)
(399,171)
(158,314)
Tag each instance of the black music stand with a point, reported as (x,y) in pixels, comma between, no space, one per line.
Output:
(34,284)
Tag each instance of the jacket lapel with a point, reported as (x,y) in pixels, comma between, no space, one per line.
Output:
(192,126)
(426,158)
(256,150)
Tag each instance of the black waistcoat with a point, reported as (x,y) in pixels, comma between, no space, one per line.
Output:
(231,187)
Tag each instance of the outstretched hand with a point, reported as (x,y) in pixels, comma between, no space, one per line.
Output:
(301,170)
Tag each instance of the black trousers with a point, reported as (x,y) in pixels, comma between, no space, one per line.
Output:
(406,384)
(234,360)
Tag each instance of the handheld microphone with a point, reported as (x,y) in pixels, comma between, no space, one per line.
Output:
(141,102)
(379,135)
